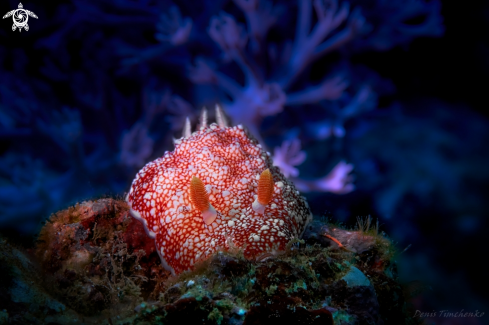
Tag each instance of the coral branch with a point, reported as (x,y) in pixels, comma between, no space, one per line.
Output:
(356,25)
(338,181)
(202,72)
(330,89)
(329,18)
(304,21)
(287,156)
(363,100)
(305,45)
(173,28)
(260,16)
(227,33)
(136,147)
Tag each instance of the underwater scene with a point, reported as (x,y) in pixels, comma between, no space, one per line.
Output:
(244,162)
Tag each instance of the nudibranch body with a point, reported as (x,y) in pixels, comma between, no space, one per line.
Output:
(216,189)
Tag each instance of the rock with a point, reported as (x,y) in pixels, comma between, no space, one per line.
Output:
(94,261)
(355,277)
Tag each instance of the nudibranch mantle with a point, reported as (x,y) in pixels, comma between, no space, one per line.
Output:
(229,163)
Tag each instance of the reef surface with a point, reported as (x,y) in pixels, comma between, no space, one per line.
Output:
(94,264)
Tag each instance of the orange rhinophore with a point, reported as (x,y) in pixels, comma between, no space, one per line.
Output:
(265,192)
(198,194)
(265,187)
(200,200)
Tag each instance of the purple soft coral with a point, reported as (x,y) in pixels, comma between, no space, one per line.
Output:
(264,95)
(287,156)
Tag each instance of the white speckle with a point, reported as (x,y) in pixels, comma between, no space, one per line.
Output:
(271,239)
(225,193)
(244,180)
(208,188)
(280,184)
(231,223)
(155,228)
(256,238)
(167,219)
(147,195)
(152,212)
(273,205)
(190,283)
(153,203)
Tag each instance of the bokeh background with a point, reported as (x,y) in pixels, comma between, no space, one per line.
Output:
(374,107)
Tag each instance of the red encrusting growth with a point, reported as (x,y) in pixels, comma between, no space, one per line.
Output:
(228,164)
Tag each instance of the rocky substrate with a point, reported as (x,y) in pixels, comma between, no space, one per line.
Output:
(94,264)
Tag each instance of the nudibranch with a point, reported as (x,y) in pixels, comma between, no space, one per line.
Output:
(217,189)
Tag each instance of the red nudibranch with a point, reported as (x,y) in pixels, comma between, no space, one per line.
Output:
(217,188)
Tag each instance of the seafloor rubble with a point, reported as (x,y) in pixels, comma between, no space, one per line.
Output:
(94,264)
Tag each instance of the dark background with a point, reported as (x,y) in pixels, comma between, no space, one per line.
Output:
(421,158)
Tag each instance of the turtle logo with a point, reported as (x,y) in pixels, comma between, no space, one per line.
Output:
(20,17)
